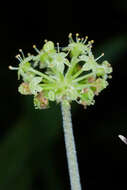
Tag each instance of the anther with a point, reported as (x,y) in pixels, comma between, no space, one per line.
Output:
(12,68)
(92,41)
(89,44)
(70,35)
(110,76)
(20,50)
(19,57)
(36,49)
(34,46)
(70,38)
(45,40)
(77,35)
(28,54)
(86,38)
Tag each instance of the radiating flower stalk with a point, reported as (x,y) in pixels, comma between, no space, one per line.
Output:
(64,75)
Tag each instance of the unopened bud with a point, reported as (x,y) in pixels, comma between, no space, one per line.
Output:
(40,101)
(24,89)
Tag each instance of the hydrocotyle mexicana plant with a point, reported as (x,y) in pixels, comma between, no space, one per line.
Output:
(64,75)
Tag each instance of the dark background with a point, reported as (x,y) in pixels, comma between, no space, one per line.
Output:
(32,152)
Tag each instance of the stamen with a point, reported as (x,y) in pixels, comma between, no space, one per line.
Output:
(70,35)
(82,39)
(29,54)
(45,40)
(92,41)
(77,35)
(70,38)
(86,38)
(36,49)
(110,77)
(79,39)
(89,44)
(12,68)
(19,57)
(20,50)
(58,47)
(99,57)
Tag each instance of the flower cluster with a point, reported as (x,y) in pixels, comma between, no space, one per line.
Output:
(62,74)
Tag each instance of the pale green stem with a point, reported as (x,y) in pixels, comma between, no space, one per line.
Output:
(71,68)
(47,86)
(41,74)
(83,77)
(82,86)
(77,74)
(70,147)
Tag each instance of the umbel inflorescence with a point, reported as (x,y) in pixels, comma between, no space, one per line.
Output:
(65,74)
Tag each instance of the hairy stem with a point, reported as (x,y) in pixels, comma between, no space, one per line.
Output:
(70,147)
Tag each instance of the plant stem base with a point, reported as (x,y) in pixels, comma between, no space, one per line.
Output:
(70,147)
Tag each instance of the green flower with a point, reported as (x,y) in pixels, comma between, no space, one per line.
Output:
(43,56)
(100,84)
(53,75)
(58,61)
(87,97)
(77,48)
(24,66)
(34,85)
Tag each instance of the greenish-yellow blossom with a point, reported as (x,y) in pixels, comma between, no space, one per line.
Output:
(34,85)
(55,74)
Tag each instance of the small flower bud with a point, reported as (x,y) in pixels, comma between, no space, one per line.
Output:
(51,95)
(48,46)
(100,84)
(87,96)
(91,79)
(107,67)
(40,102)
(24,89)
(100,72)
(44,59)
(76,49)
(35,85)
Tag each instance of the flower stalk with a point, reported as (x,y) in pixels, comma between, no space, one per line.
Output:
(70,147)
